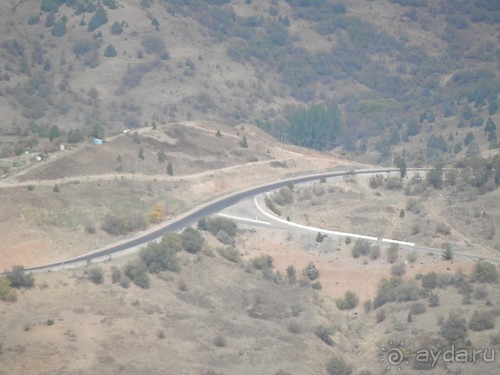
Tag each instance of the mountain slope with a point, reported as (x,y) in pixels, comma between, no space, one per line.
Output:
(73,64)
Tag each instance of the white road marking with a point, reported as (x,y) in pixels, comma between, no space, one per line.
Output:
(325,231)
(244,219)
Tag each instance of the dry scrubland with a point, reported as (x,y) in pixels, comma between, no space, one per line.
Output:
(247,307)
(211,316)
(406,210)
(55,209)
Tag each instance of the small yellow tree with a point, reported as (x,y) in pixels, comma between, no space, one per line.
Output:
(7,293)
(157,214)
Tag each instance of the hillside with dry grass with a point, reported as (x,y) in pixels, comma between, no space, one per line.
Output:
(193,100)
(400,71)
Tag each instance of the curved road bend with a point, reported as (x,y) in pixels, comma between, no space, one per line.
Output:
(286,225)
(201,211)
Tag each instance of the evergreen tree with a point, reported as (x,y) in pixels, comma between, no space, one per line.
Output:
(110,51)
(490,125)
(116,28)
(50,20)
(99,18)
(54,132)
(59,28)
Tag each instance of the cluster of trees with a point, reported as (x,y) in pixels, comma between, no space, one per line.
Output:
(154,258)
(224,229)
(317,126)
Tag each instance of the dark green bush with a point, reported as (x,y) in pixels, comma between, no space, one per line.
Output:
(262,262)
(350,301)
(310,271)
(192,240)
(484,272)
(18,278)
(230,253)
(172,242)
(482,320)
(361,247)
(96,275)
(395,289)
(99,18)
(138,273)
(454,329)
(110,51)
(157,258)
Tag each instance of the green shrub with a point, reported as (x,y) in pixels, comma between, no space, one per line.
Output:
(392,253)
(96,275)
(262,262)
(138,273)
(350,301)
(480,293)
(429,280)
(270,204)
(484,272)
(192,240)
(433,300)
(294,327)
(244,142)
(417,308)
(118,225)
(454,329)
(361,247)
(316,285)
(395,289)
(398,269)
(219,341)
(110,51)
(20,279)
(283,196)
(158,258)
(291,274)
(310,271)
(116,275)
(172,242)
(374,252)
(380,316)
(153,44)
(7,293)
(482,320)
(99,18)
(116,28)
(217,224)
(170,169)
(230,253)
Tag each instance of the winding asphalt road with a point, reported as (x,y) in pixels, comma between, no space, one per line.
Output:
(207,209)
(192,216)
